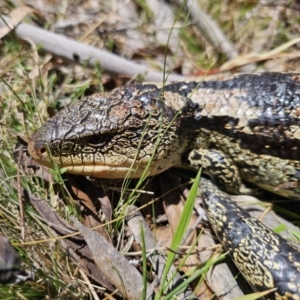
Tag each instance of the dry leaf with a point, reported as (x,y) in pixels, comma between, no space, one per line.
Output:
(115,267)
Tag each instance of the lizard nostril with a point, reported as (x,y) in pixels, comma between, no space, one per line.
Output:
(36,149)
(41,148)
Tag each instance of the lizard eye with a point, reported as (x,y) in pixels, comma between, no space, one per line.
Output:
(98,140)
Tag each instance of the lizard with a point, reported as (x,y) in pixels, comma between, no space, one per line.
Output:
(236,128)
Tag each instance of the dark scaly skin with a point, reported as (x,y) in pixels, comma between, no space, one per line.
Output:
(244,127)
(236,128)
(245,237)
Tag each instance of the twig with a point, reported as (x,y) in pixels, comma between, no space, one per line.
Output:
(209,28)
(81,53)
(21,204)
(88,283)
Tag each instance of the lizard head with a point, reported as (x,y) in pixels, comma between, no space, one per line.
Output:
(115,134)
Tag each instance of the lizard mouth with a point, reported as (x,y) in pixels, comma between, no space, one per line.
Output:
(38,150)
(104,171)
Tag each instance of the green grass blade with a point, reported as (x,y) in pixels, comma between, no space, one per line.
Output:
(179,234)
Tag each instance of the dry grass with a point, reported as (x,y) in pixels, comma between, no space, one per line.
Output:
(35,84)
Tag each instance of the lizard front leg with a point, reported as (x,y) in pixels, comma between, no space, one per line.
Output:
(220,168)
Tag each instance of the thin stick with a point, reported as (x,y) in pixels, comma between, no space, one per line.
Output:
(84,54)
